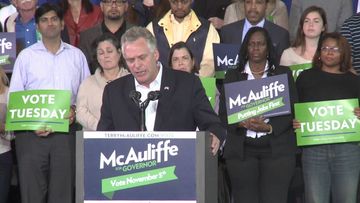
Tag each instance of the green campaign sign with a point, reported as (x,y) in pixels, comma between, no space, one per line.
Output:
(38,109)
(327,122)
(209,85)
(298,68)
(113,184)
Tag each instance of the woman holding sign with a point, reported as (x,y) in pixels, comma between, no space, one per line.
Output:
(329,168)
(89,99)
(312,26)
(259,152)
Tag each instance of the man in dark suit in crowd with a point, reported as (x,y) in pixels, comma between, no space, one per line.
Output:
(182,106)
(213,10)
(114,22)
(255,11)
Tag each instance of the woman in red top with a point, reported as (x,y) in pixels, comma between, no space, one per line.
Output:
(80,15)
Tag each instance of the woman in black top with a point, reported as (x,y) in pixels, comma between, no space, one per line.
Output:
(259,152)
(330,168)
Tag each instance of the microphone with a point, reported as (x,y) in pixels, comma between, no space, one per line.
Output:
(135,97)
(154,95)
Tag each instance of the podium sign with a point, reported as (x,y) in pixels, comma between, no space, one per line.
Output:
(138,167)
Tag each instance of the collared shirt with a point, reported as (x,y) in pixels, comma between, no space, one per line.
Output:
(26,33)
(150,112)
(247,70)
(248,25)
(118,32)
(85,21)
(175,32)
(179,29)
(37,68)
(6,12)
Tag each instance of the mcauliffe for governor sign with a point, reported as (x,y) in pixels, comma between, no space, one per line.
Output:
(139,167)
(249,98)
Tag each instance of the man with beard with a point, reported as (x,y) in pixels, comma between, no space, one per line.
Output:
(182,24)
(255,10)
(114,12)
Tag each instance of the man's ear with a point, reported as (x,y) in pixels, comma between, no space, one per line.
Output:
(156,54)
(62,24)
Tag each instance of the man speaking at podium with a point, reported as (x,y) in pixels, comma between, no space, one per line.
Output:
(177,100)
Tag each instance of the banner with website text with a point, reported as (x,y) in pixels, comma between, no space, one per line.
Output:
(38,109)
(327,122)
(139,167)
(249,98)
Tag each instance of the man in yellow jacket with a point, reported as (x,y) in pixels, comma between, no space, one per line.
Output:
(182,24)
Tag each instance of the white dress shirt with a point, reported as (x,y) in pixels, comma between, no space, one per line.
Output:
(248,25)
(250,133)
(150,112)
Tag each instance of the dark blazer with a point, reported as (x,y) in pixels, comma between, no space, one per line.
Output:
(282,139)
(87,37)
(232,34)
(210,8)
(183,106)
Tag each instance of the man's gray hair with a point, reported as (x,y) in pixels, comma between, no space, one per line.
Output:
(136,33)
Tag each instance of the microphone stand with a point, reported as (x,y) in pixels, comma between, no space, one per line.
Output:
(152,96)
(142,115)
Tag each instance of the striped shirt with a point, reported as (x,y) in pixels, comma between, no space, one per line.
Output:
(351,31)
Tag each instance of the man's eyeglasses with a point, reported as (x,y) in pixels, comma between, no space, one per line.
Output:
(116,2)
(330,49)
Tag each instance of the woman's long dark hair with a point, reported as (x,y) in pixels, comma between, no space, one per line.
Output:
(180,45)
(84,3)
(345,51)
(300,36)
(243,54)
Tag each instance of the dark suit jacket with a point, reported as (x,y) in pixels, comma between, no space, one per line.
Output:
(232,34)
(183,106)
(87,37)
(210,8)
(282,140)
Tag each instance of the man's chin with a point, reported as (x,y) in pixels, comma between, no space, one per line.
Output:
(180,15)
(114,17)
